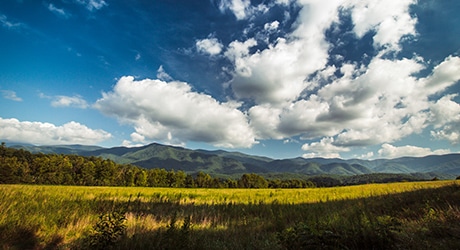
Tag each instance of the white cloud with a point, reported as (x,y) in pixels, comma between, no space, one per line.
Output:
(242,9)
(50,134)
(210,46)
(172,112)
(368,155)
(390,20)
(69,101)
(444,75)
(238,7)
(11,95)
(358,109)
(272,27)
(130,144)
(323,148)
(390,151)
(162,75)
(59,12)
(445,117)
(92,5)
(277,74)
(8,24)
(369,104)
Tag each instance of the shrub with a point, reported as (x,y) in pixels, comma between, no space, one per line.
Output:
(302,236)
(377,233)
(109,229)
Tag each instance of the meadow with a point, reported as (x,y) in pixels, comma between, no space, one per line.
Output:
(409,215)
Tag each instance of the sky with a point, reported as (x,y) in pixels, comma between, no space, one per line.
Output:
(279,78)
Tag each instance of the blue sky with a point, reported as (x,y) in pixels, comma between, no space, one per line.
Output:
(281,78)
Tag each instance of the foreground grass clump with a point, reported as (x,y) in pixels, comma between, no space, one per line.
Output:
(423,215)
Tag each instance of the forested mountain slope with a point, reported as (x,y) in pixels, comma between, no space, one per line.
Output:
(224,162)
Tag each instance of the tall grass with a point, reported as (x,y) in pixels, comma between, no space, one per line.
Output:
(405,215)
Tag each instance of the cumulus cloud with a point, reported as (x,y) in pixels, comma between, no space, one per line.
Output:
(172,111)
(209,46)
(323,148)
(242,9)
(443,76)
(390,151)
(11,95)
(272,27)
(375,107)
(390,20)
(69,101)
(49,134)
(445,117)
(348,105)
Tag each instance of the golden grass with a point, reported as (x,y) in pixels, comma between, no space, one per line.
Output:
(66,214)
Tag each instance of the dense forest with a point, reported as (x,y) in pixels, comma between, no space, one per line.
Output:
(24,167)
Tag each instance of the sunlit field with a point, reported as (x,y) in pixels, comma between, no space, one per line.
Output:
(398,215)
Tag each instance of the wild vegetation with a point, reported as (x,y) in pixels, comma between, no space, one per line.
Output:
(23,167)
(411,215)
(18,166)
(70,206)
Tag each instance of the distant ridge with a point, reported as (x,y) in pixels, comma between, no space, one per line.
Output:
(224,162)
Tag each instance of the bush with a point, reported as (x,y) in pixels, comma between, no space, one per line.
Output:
(377,233)
(302,236)
(108,230)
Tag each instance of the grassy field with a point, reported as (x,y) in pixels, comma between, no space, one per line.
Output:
(420,215)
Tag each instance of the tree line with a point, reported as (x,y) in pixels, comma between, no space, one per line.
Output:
(18,166)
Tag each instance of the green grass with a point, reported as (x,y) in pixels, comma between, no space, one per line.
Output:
(415,215)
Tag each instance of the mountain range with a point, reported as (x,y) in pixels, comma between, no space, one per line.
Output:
(222,162)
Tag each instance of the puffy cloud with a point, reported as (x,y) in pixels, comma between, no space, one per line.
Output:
(172,112)
(210,46)
(271,27)
(50,134)
(242,9)
(69,101)
(323,148)
(361,108)
(390,20)
(444,75)
(445,117)
(276,75)
(345,105)
(390,151)
(364,107)
(11,95)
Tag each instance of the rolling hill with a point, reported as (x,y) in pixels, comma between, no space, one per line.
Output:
(229,163)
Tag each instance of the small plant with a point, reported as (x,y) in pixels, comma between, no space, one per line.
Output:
(302,236)
(176,237)
(108,230)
